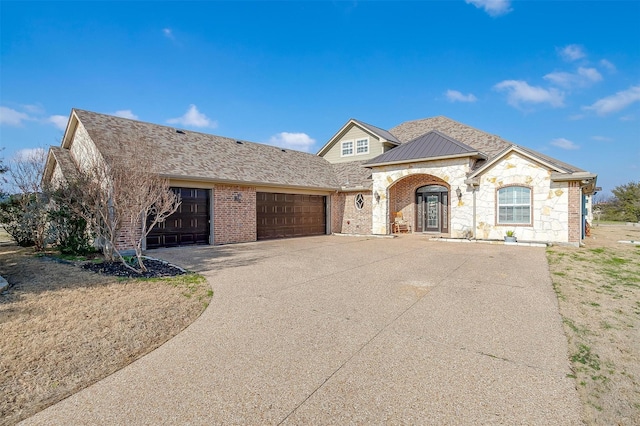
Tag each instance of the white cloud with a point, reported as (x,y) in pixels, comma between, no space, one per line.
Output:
(492,7)
(168,33)
(564,143)
(628,117)
(297,141)
(11,117)
(454,95)
(33,109)
(194,118)
(616,102)
(27,154)
(608,65)
(521,92)
(60,121)
(583,78)
(602,138)
(572,52)
(126,113)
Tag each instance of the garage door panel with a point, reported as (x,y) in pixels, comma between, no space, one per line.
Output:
(187,225)
(289,215)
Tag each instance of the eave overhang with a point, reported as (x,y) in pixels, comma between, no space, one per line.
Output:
(244,182)
(476,154)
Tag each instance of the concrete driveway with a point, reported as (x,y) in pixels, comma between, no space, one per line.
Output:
(351,330)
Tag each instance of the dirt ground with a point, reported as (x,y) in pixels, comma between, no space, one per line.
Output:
(64,328)
(598,288)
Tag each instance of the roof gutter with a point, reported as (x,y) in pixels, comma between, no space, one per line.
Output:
(587,180)
(246,183)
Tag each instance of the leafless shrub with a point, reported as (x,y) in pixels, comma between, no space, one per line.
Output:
(121,192)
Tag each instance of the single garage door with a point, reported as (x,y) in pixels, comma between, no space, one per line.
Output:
(290,215)
(188,225)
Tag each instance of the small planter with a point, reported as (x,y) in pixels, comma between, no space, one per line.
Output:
(510,240)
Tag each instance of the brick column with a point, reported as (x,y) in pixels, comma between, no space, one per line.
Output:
(575,212)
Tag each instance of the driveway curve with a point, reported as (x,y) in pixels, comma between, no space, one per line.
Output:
(351,330)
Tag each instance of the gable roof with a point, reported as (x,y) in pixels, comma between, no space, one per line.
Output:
(429,146)
(383,135)
(554,165)
(477,139)
(378,131)
(186,154)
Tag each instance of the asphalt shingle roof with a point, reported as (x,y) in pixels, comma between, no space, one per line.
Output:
(486,143)
(352,174)
(378,131)
(64,160)
(203,156)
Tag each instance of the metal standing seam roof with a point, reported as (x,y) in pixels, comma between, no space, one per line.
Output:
(430,145)
(193,155)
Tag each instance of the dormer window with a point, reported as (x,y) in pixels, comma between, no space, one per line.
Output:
(347,148)
(362,146)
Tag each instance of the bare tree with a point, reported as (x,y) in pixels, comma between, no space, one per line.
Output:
(121,194)
(29,219)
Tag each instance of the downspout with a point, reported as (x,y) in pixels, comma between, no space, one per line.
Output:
(473,187)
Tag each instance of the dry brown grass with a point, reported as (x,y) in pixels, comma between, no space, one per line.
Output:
(598,288)
(64,328)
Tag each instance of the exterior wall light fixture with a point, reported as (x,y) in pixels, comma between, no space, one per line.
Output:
(459,193)
(376,195)
(237,197)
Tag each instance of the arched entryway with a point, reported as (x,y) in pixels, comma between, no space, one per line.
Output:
(402,201)
(432,209)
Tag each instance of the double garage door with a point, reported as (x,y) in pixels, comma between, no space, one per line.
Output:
(278,215)
(289,215)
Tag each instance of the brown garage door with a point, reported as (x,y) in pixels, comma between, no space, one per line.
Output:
(290,215)
(188,225)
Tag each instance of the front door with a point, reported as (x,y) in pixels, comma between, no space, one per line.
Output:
(433,209)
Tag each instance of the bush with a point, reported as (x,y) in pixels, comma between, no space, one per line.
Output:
(18,216)
(69,232)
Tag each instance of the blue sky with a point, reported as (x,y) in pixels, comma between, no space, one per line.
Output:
(559,77)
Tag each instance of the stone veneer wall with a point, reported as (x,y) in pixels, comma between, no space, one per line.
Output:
(550,204)
(450,173)
(346,218)
(234,221)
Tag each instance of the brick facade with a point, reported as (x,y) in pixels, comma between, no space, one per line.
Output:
(234,214)
(346,218)
(575,212)
(402,196)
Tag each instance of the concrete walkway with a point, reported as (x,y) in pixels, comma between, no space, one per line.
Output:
(351,330)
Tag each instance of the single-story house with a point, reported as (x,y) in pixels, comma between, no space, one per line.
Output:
(441,177)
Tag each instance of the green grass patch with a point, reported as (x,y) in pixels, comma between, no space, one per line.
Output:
(586,357)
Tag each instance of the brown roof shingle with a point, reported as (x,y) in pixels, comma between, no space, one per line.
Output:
(196,155)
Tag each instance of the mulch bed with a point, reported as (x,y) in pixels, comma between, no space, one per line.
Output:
(155,269)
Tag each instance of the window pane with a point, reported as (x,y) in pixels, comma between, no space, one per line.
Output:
(514,205)
(362,146)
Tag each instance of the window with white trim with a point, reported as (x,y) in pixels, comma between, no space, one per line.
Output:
(347,148)
(514,205)
(359,201)
(362,146)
